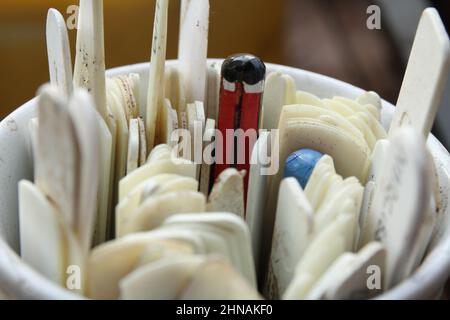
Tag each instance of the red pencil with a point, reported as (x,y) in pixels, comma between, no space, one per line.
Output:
(241,91)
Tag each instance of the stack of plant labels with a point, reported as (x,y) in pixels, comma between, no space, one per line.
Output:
(57,212)
(162,197)
(335,127)
(108,165)
(312,232)
(93,153)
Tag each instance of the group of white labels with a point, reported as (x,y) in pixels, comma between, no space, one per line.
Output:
(105,168)
(102,171)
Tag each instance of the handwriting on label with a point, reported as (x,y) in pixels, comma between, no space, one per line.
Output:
(393,185)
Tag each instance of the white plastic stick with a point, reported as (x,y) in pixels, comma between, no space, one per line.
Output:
(279,91)
(58,51)
(257,193)
(193,50)
(401,204)
(292,232)
(425,77)
(57,153)
(90,53)
(33,126)
(155,95)
(89,73)
(105,188)
(196,124)
(142,142)
(205,169)
(85,122)
(133,146)
(42,243)
(213,89)
(227,194)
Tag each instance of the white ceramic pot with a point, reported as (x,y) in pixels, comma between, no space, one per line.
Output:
(18,280)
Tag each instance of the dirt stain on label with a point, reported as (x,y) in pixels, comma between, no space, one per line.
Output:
(12,125)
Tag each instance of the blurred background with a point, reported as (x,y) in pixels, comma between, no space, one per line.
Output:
(325,36)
